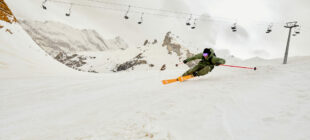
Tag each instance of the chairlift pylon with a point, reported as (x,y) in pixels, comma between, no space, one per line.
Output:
(189,20)
(194,25)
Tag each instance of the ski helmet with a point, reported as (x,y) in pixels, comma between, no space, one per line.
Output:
(206,52)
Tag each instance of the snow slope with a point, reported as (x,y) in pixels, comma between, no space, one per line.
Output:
(21,56)
(228,104)
(42,99)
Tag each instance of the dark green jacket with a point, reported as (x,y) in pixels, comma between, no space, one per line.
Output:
(210,61)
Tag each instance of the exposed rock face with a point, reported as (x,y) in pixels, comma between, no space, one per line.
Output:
(9,31)
(163,67)
(170,42)
(173,46)
(145,42)
(5,13)
(130,64)
(74,61)
(154,42)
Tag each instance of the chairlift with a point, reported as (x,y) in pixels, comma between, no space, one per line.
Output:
(43,4)
(194,25)
(189,20)
(141,19)
(69,12)
(126,15)
(234,27)
(297,30)
(269,29)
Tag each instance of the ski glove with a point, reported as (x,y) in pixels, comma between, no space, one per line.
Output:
(185,61)
(217,64)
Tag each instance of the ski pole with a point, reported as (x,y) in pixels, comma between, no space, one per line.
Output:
(239,67)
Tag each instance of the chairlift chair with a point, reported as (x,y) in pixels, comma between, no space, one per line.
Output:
(69,12)
(44,7)
(189,20)
(269,29)
(43,4)
(141,19)
(126,15)
(297,31)
(234,27)
(194,24)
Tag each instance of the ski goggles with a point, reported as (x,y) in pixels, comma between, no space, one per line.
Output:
(205,54)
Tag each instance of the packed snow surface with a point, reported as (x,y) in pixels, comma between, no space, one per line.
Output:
(228,104)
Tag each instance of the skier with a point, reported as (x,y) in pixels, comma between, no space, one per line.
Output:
(205,65)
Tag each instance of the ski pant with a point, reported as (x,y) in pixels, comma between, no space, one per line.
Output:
(199,70)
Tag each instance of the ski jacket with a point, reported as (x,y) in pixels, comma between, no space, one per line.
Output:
(211,60)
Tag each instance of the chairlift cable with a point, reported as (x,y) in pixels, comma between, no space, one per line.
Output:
(165,13)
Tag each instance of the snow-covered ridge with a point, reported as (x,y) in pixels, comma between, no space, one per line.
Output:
(21,56)
(56,37)
(158,55)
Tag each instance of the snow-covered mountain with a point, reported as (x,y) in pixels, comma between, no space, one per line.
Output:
(56,37)
(64,43)
(166,53)
(21,56)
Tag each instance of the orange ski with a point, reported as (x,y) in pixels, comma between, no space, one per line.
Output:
(180,79)
(183,78)
(169,81)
